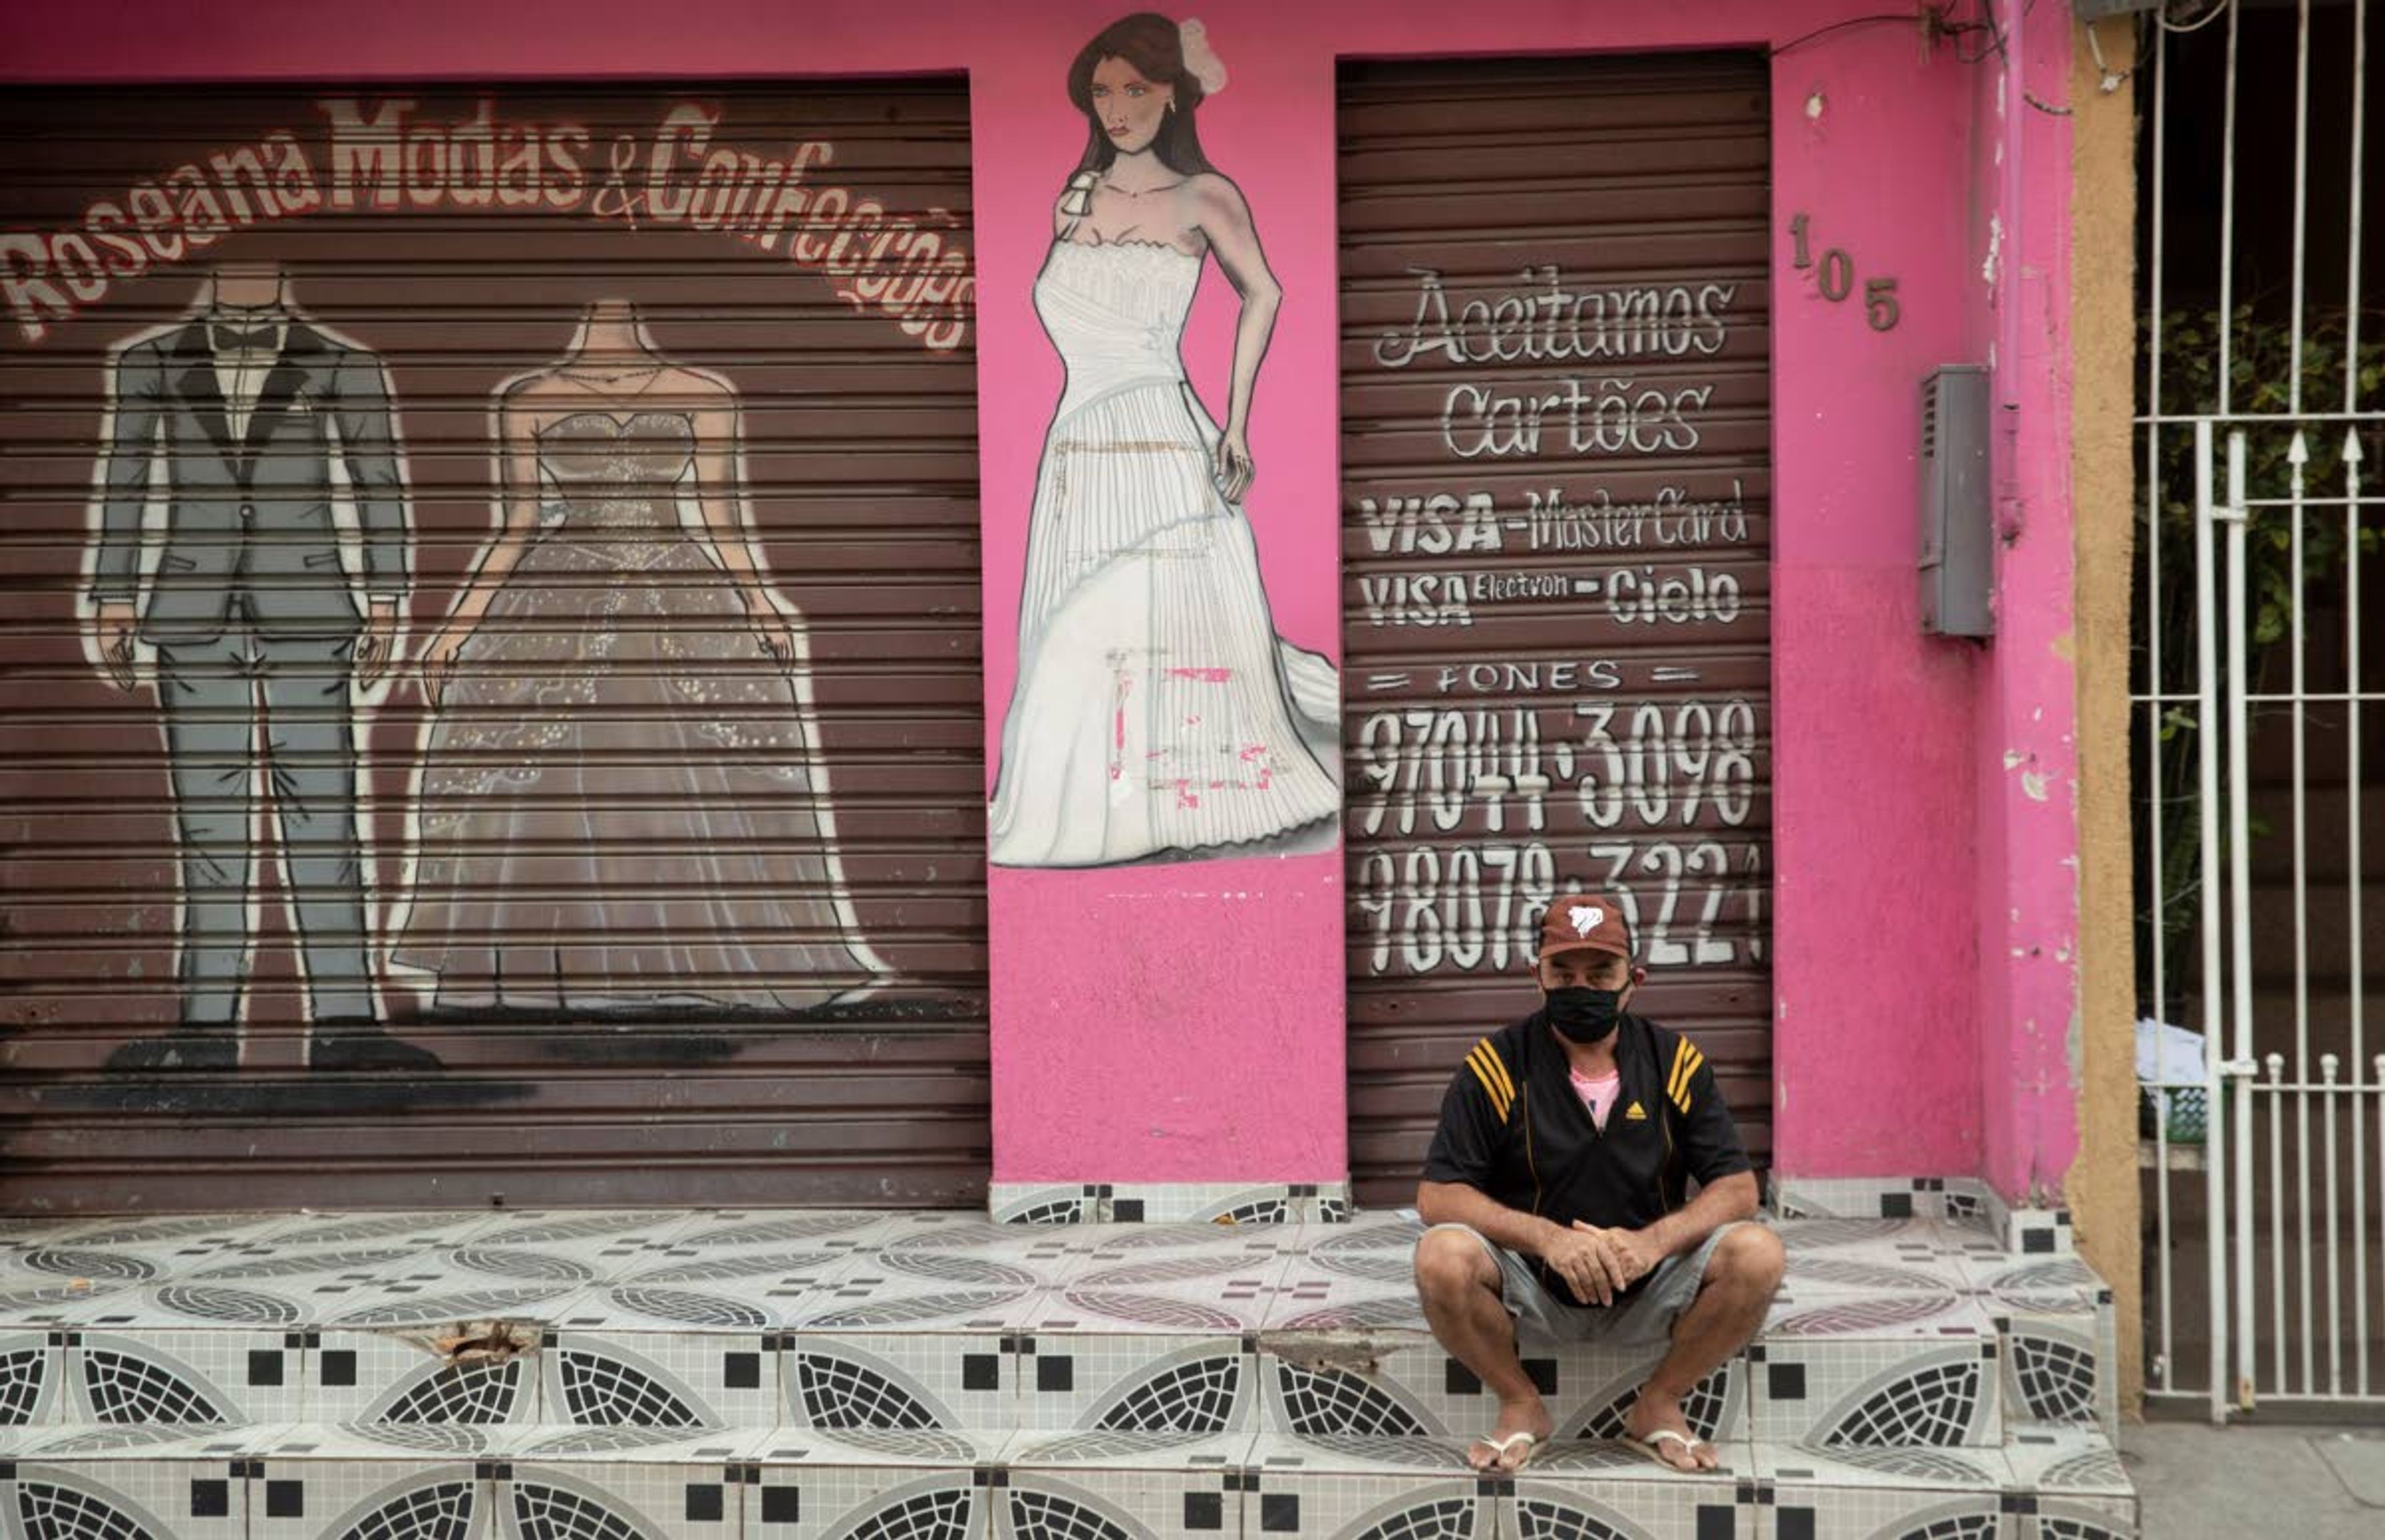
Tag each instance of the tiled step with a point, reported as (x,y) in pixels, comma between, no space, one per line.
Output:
(302,1482)
(1886,1330)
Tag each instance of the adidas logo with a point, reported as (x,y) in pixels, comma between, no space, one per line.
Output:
(1634,1114)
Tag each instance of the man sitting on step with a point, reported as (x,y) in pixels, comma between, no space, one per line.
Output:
(1557,1190)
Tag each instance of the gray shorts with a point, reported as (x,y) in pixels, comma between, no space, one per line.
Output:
(1644,1320)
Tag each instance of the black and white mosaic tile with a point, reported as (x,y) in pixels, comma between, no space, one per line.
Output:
(330,1482)
(911,1381)
(1135,1383)
(126,1483)
(405,1378)
(220,1378)
(876,1484)
(2075,1486)
(1225,1289)
(601,1483)
(1592,1491)
(1354,1488)
(1842,1494)
(1860,1197)
(658,1380)
(1123,1485)
(1881,1390)
(397,1374)
(33,1373)
(1045,1202)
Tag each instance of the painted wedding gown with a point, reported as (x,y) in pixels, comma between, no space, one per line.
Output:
(1157,709)
(622,804)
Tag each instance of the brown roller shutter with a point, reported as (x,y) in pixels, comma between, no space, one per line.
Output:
(651,913)
(1556,512)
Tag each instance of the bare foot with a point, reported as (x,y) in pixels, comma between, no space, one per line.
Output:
(1652,1414)
(1502,1449)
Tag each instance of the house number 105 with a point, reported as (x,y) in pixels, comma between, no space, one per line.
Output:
(1835,277)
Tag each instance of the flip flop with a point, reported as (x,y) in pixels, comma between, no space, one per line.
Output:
(1654,1448)
(1499,1447)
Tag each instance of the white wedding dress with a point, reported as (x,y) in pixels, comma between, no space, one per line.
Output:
(1155,709)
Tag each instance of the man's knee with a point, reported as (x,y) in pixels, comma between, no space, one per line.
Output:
(1450,1262)
(1750,1256)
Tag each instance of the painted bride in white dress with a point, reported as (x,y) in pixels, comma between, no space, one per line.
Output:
(1156,711)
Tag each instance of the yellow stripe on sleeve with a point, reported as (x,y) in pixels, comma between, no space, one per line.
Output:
(1490,1084)
(1673,1078)
(1689,1072)
(1498,1067)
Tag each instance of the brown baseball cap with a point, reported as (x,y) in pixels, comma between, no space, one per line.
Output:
(1585,922)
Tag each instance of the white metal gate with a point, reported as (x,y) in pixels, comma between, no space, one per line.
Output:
(2264,1142)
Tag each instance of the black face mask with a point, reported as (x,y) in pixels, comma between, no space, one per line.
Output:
(1585,1016)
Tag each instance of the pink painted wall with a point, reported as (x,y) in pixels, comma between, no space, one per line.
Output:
(2026,768)
(1185,1022)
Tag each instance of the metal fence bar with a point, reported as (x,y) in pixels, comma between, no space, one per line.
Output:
(2166,1302)
(2297,456)
(2239,886)
(2354,808)
(2327,1067)
(2278,1336)
(2206,641)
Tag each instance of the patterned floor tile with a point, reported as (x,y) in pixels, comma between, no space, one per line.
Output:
(731,1231)
(32,1377)
(1045,1202)
(1117,1486)
(1225,1290)
(1863,1197)
(2028,1231)
(40,1304)
(1352,1487)
(1320,1387)
(1133,1381)
(570,1245)
(105,1482)
(883,1484)
(389,1284)
(1928,1244)
(1716,1407)
(604,1482)
(910,1380)
(1233,1202)
(380,1483)
(2040,1286)
(321,1231)
(1915,1309)
(1362,1288)
(1127,1241)
(1911,1493)
(920,1290)
(659,1379)
(146,1375)
(1866,1391)
(1592,1491)
(2061,1345)
(2059,1368)
(971,1249)
(403,1377)
(2078,1489)
(438,1301)
(135,1249)
(741,1279)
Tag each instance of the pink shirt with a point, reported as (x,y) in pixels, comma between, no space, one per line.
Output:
(1597,1095)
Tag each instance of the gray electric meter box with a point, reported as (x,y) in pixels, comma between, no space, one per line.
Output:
(1957,518)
